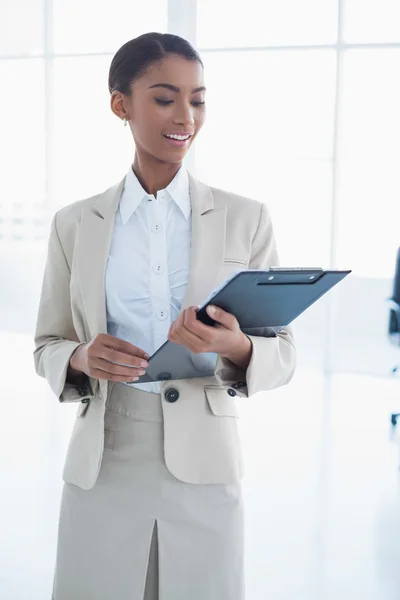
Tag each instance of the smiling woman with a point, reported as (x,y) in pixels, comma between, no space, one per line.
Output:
(152,503)
(157,86)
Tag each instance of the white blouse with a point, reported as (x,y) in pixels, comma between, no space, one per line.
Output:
(148,264)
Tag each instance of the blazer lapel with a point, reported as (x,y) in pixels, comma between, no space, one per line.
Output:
(208,244)
(95,235)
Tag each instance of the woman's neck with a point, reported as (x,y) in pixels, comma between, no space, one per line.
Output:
(154,176)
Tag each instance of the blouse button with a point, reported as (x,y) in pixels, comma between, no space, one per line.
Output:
(156,228)
(162,314)
(158,269)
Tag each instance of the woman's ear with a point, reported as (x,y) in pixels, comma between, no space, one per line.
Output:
(118,105)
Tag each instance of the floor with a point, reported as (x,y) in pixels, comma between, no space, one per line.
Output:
(322,485)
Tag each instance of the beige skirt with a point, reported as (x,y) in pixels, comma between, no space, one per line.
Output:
(140,533)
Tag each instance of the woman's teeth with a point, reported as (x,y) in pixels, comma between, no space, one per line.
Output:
(177,137)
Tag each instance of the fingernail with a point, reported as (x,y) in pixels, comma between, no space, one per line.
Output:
(211,310)
(147,356)
(144,364)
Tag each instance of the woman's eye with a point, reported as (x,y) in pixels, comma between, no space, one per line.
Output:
(163,102)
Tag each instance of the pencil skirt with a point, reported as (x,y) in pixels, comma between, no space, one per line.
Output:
(140,533)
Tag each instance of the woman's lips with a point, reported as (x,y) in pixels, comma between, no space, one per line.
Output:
(177,143)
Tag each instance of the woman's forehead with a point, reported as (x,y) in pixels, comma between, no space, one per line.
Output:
(174,70)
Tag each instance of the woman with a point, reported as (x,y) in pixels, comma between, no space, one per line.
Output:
(151,505)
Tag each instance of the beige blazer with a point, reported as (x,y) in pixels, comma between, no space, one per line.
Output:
(201,430)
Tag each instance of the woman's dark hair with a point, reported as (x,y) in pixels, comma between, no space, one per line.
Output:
(135,57)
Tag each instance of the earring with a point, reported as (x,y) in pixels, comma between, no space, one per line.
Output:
(125,122)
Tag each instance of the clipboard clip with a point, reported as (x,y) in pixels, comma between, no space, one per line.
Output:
(283,269)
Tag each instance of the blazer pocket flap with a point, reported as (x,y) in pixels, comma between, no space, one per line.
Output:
(235,261)
(221,403)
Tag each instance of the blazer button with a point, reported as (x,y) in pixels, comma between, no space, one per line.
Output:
(85,401)
(231,392)
(239,385)
(171,395)
(81,391)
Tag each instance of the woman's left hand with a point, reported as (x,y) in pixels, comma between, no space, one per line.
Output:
(225,339)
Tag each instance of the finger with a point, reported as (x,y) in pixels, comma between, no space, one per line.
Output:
(173,334)
(122,345)
(177,323)
(221,316)
(172,337)
(189,342)
(192,324)
(190,339)
(187,326)
(113,369)
(115,356)
(99,374)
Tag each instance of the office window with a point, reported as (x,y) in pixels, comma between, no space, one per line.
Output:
(368,194)
(22,149)
(21,27)
(90,26)
(371,21)
(268,135)
(235,23)
(92,148)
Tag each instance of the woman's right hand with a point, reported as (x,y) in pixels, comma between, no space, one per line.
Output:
(99,357)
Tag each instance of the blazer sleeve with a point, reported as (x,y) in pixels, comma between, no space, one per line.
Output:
(55,336)
(273,359)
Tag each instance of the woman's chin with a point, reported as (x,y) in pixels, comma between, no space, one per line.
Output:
(172,156)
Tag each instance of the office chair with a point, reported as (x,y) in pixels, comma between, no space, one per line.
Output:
(394,320)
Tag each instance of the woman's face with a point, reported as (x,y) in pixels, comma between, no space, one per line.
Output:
(167,100)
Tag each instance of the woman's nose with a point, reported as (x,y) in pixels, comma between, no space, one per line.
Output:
(184,117)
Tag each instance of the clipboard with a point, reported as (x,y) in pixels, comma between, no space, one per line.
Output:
(263,301)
